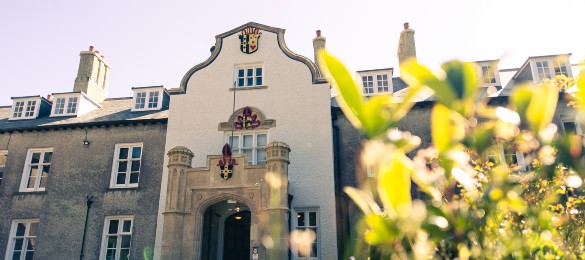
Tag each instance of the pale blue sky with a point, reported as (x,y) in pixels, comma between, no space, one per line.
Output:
(156,42)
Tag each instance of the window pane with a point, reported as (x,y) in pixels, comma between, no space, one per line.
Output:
(240,82)
(36,157)
(258,72)
(30,245)
(112,241)
(33,176)
(122,166)
(44,175)
(121,178)
(261,156)
(136,152)
(241,73)
(250,73)
(313,219)
(125,242)
(134,177)
(123,153)
(124,254)
(301,219)
(250,82)
(48,157)
(258,81)
(249,153)
(113,226)
(247,141)
(16,255)
(127,225)
(29,255)
(20,229)
(135,166)
(18,243)
(111,254)
(234,142)
(261,140)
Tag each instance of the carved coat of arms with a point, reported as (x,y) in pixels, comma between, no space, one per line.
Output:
(249,40)
(247,120)
(226,164)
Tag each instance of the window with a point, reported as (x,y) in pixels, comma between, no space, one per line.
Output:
(61,103)
(140,100)
(373,83)
(543,70)
(382,83)
(3,156)
(560,68)
(252,144)
(142,103)
(249,76)
(24,109)
(153,99)
(117,238)
(308,220)
(488,74)
(36,169)
(368,84)
(18,107)
(22,243)
(126,168)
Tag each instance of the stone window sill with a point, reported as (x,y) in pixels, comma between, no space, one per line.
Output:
(30,193)
(123,189)
(249,88)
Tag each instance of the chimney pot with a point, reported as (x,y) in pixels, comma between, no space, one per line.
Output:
(318,33)
(406,26)
(103,57)
(91,48)
(97,52)
(50,97)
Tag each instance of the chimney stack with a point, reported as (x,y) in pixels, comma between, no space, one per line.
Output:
(93,74)
(406,46)
(318,44)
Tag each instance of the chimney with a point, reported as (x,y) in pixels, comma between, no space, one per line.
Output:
(93,74)
(318,44)
(406,46)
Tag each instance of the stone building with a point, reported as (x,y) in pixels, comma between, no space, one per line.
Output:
(60,154)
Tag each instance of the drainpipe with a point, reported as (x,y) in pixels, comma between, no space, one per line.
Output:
(89,202)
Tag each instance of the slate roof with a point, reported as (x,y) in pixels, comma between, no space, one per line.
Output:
(113,111)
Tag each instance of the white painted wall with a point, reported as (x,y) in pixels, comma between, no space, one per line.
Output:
(303,121)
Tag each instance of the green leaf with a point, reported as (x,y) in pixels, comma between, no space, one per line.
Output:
(363,200)
(440,130)
(520,99)
(394,182)
(350,99)
(542,107)
(581,90)
(376,116)
(380,232)
(462,77)
(415,74)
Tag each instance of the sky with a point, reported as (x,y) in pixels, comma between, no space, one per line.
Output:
(151,43)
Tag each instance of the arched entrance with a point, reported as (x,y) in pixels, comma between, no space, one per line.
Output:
(226,231)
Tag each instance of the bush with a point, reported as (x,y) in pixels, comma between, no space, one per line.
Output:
(476,205)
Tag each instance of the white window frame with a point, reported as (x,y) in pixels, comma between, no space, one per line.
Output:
(563,69)
(308,225)
(501,155)
(3,165)
(28,165)
(25,108)
(129,159)
(372,82)
(26,237)
(542,70)
(120,232)
(68,108)
(149,102)
(238,148)
(488,74)
(254,77)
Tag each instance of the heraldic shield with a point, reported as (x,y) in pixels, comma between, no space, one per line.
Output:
(249,40)
(226,164)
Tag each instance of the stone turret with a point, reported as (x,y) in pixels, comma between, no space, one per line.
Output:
(93,74)
(278,210)
(319,44)
(406,46)
(180,159)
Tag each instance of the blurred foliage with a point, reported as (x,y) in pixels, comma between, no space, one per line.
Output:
(479,202)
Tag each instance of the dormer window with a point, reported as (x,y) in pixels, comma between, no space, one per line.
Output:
(376,81)
(488,74)
(560,68)
(543,70)
(65,106)
(149,98)
(249,76)
(29,107)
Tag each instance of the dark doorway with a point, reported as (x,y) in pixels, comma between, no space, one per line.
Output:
(236,240)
